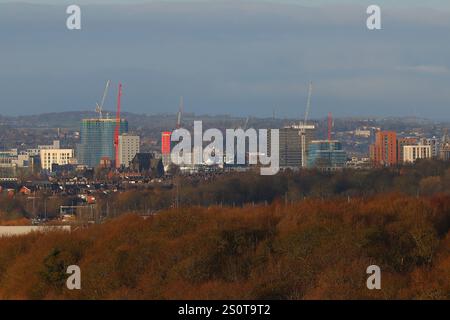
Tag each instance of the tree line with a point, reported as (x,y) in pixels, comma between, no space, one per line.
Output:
(424,178)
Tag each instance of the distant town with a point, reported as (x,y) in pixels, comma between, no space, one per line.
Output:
(104,154)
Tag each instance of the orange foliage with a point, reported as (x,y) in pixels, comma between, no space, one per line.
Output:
(311,249)
(18,222)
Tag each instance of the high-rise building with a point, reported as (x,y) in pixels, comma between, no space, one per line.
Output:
(129,146)
(412,153)
(384,151)
(434,144)
(326,155)
(166,147)
(290,144)
(97,140)
(50,157)
(8,166)
(444,152)
(401,142)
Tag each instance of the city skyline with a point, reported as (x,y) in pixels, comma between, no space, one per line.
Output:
(251,59)
(208,152)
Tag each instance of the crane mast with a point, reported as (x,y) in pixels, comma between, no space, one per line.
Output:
(303,126)
(99,108)
(180,112)
(246,123)
(308,102)
(330,125)
(116,133)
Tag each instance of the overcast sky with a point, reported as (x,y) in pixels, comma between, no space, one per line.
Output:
(235,57)
(439,4)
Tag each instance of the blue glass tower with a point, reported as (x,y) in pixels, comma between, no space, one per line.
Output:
(97,140)
(327,155)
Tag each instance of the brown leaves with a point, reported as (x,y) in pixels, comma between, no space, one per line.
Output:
(314,249)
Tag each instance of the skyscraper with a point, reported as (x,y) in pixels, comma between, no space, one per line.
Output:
(166,147)
(290,144)
(97,140)
(384,151)
(129,146)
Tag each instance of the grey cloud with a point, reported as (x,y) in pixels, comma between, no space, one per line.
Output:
(426,69)
(225,58)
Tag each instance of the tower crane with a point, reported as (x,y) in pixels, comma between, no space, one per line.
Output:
(99,108)
(117,131)
(180,112)
(303,126)
(330,125)
(246,124)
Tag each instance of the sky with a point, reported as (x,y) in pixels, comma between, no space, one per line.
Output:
(439,4)
(228,57)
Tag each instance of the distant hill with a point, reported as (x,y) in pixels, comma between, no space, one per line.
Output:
(71,120)
(152,125)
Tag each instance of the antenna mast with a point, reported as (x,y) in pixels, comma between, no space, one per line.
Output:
(116,133)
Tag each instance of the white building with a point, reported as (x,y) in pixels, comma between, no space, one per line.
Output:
(434,144)
(412,153)
(55,156)
(8,164)
(129,146)
(23,160)
(35,152)
(365,133)
(9,231)
(56,145)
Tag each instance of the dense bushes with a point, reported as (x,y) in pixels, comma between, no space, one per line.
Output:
(305,250)
(11,209)
(426,177)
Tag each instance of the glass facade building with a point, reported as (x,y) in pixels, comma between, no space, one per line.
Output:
(97,140)
(326,155)
(290,145)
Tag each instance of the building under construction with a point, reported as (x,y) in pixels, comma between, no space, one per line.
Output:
(326,155)
(294,140)
(97,140)
(100,136)
(291,146)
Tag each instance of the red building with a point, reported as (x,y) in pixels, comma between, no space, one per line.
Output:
(165,143)
(385,150)
(166,147)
